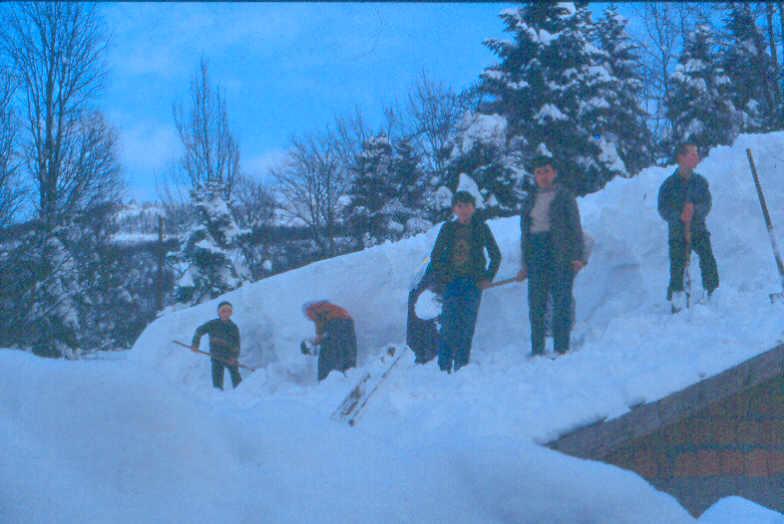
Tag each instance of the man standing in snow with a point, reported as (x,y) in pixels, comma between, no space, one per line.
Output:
(552,254)
(460,269)
(224,344)
(684,202)
(335,336)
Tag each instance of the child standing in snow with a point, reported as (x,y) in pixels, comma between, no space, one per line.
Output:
(460,269)
(334,334)
(684,202)
(553,252)
(224,344)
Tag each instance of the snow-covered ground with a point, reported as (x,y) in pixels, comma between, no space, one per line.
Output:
(147,438)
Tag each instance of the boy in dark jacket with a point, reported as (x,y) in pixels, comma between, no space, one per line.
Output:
(335,335)
(553,252)
(460,270)
(684,202)
(224,344)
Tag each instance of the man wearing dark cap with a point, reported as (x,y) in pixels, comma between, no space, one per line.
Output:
(224,344)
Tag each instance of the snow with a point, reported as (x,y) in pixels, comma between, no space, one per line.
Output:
(428,305)
(549,112)
(732,510)
(115,442)
(483,129)
(147,439)
(468,184)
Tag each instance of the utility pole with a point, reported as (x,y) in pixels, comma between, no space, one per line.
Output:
(161,262)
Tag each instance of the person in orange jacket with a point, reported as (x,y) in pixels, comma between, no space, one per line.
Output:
(335,337)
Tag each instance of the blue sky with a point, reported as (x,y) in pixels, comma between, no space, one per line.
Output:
(285,68)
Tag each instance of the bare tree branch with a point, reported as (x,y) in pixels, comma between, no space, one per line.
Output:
(211,151)
(56,50)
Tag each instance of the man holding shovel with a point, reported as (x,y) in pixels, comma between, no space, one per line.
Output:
(224,345)
(460,269)
(553,253)
(684,202)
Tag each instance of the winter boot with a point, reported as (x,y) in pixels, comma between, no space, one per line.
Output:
(678,301)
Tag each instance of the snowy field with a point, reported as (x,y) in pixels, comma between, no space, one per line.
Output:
(146,439)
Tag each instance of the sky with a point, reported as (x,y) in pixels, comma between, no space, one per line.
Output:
(286,69)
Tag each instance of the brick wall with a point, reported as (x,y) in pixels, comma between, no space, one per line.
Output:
(732,447)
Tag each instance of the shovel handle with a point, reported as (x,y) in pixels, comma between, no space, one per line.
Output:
(215,357)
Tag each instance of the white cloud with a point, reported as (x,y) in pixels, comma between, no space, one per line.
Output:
(148,146)
(258,166)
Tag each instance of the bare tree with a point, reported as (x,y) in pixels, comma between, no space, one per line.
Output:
(662,35)
(254,204)
(348,135)
(311,183)
(56,50)
(10,193)
(211,151)
(67,150)
(435,111)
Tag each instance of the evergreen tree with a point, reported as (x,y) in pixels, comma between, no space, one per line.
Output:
(211,256)
(700,102)
(480,152)
(54,318)
(750,70)
(116,300)
(548,87)
(407,209)
(622,121)
(372,188)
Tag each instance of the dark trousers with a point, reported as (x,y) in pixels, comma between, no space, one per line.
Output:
(217,374)
(547,277)
(339,347)
(458,320)
(700,244)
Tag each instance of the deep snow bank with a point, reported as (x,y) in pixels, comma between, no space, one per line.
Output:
(113,442)
(630,349)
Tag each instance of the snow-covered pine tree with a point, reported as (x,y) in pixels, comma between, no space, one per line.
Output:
(211,256)
(479,152)
(371,190)
(547,86)
(54,317)
(116,298)
(407,208)
(623,122)
(700,102)
(749,67)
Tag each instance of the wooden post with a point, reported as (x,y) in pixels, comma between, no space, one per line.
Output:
(161,262)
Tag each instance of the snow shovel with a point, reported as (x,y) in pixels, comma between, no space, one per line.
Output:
(222,360)
(776,254)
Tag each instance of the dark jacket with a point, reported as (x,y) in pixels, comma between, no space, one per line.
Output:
(673,195)
(566,233)
(224,337)
(481,238)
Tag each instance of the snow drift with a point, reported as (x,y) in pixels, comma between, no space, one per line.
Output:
(147,439)
(629,349)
